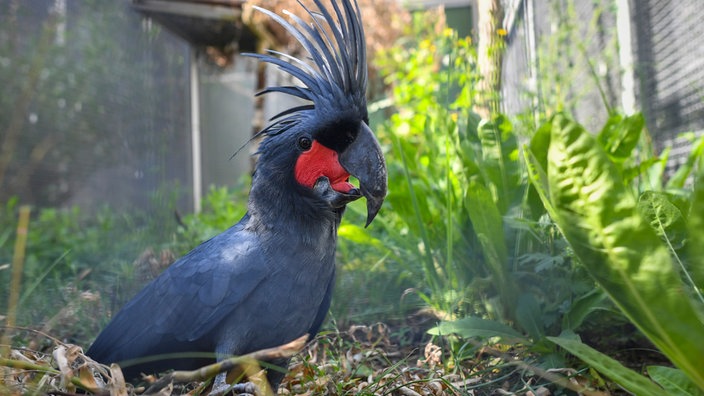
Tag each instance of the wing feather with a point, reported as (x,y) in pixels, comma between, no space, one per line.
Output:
(187,302)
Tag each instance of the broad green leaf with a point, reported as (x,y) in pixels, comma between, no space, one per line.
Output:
(529,316)
(486,219)
(539,181)
(649,172)
(488,226)
(642,168)
(632,381)
(666,219)
(538,149)
(500,163)
(696,232)
(540,144)
(581,308)
(599,218)
(471,327)
(469,127)
(620,136)
(469,159)
(674,381)
(679,179)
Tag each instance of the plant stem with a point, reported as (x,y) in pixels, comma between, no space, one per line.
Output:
(16,280)
(426,254)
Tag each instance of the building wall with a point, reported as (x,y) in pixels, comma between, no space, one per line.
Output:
(226,113)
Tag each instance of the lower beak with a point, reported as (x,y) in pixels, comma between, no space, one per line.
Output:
(364,160)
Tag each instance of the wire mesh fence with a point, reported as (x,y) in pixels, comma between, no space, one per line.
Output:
(578,54)
(94,108)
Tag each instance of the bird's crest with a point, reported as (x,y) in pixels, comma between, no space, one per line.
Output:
(334,77)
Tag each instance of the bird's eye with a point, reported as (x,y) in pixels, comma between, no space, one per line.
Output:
(304,143)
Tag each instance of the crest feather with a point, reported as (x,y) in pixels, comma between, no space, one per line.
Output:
(335,76)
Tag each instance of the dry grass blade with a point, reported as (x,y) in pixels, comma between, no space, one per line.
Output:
(17,268)
(118,387)
(67,370)
(62,361)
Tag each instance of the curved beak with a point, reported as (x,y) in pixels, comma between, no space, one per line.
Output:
(364,160)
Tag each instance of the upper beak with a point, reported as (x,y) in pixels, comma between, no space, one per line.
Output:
(364,160)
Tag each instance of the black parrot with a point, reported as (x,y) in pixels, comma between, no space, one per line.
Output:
(269,279)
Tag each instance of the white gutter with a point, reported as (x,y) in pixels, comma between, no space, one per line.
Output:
(195,132)
(625,56)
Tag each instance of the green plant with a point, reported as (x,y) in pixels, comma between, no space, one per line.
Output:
(78,265)
(459,210)
(436,142)
(222,208)
(627,247)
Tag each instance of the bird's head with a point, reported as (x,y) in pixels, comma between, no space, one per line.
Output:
(315,148)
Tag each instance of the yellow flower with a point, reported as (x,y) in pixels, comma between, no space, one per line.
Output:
(502,32)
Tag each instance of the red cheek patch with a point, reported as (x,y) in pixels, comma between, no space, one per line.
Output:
(321,161)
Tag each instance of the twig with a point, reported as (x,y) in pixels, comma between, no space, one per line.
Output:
(282,352)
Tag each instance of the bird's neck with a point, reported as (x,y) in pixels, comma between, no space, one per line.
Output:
(284,208)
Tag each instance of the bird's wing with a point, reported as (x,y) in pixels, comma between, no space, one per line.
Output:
(188,300)
(207,284)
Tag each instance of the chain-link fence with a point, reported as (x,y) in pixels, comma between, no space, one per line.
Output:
(95,106)
(562,53)
(669,69)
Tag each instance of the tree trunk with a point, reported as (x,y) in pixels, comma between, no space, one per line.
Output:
(489,56)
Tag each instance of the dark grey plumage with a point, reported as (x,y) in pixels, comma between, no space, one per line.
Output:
(268,279)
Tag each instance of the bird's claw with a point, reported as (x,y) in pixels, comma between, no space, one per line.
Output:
(221,387)
(336,199)
(242,389)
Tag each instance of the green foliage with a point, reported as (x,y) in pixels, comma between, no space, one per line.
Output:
(70,252)
(471,327)
(80,266)
(222,207)
(444,153)
(459,209)
(482,231)
(633,382)
(629,247)
(674,381)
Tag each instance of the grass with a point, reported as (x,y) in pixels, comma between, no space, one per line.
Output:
(393,358)
(362,360)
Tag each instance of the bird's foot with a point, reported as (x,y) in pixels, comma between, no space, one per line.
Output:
(243,389)
(221,387)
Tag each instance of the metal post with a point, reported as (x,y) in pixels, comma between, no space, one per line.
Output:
(625,56)
(195,132)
